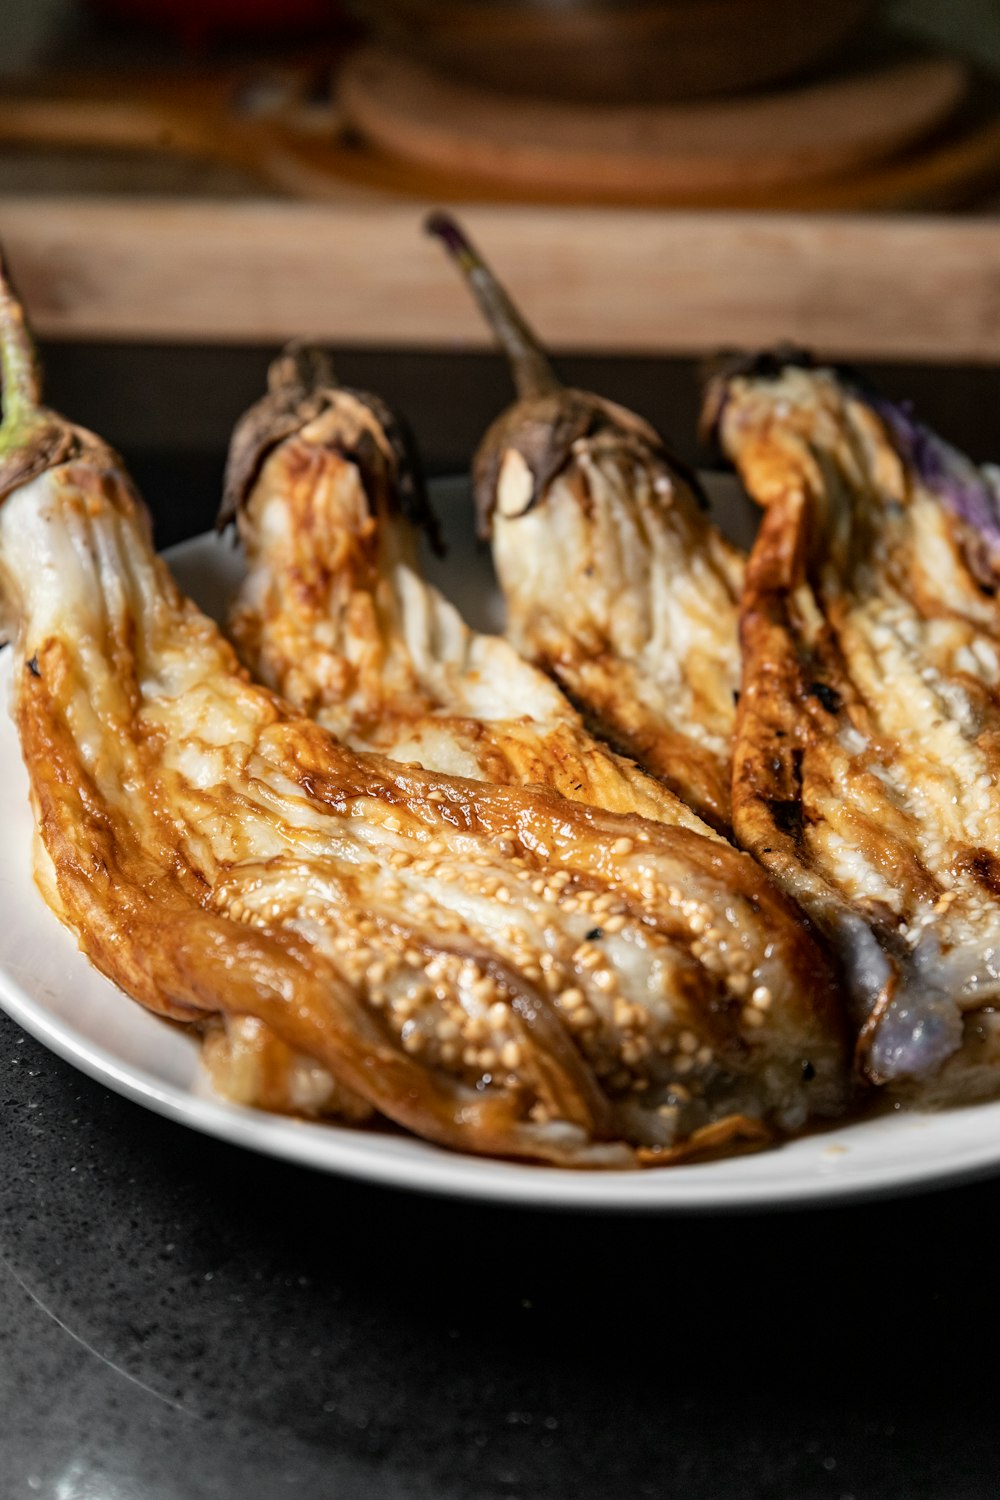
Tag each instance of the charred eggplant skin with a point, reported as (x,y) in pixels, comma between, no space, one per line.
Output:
(868,731)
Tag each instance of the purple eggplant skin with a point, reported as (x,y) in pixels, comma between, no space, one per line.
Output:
(972,494)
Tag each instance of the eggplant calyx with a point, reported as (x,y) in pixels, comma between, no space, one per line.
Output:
(719,370)
(301,388)
(548,418)
(545,432)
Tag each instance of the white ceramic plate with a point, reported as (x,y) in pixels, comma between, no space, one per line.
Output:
(52,990)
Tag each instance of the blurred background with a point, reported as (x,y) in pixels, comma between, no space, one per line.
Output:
(38,31)
(184,183)
(839,104)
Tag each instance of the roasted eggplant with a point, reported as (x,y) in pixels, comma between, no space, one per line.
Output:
(334,612)
(616,582)
(868,737)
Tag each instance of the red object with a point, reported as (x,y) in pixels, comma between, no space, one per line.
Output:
(198,22)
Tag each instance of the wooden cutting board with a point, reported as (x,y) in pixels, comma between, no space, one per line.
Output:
(894,136)
(952,171)
(720,149)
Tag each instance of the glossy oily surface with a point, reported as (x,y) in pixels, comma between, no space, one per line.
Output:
(390,939)
(52,990)
(865,764)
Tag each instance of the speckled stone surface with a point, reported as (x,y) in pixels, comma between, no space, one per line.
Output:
(180,1319)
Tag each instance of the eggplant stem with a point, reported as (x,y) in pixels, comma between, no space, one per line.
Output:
(301,366)
(530,366)
(19,371)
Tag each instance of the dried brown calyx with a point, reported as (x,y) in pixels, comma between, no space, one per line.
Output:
(716,373)
(548,418)
(301,388)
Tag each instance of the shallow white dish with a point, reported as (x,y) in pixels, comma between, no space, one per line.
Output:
(53,992)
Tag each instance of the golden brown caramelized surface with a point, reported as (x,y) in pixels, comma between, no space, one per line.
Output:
(868,739)
(335,615)
(495,968)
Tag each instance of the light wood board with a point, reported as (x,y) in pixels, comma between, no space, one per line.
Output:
(636,281)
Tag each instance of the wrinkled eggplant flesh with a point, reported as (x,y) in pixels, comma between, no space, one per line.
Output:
(617,585)
(615,581)
(497,969)
(868,737)
(335,615)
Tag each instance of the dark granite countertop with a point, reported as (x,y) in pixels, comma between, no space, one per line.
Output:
(182,1319)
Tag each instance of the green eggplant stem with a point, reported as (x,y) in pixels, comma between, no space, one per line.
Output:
(533,373)
(22,386)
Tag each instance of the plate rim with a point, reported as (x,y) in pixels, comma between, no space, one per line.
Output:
(342,1151)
